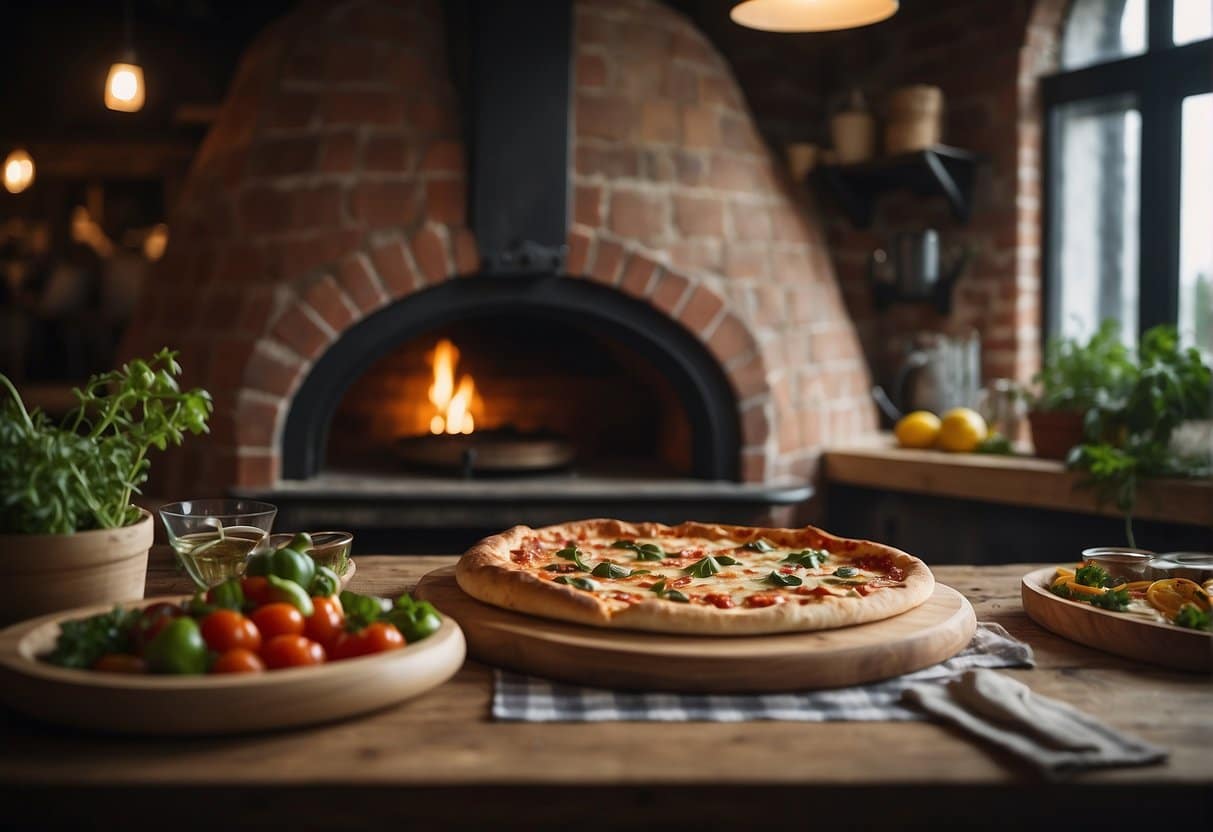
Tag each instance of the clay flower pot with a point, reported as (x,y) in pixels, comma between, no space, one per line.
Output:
(49,572)
(1055,432)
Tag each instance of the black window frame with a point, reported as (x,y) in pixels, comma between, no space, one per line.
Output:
(1158,80)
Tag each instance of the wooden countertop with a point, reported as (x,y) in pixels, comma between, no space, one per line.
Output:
(441,758)
(1013,480)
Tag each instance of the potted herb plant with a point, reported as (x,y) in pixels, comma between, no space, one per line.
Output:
(1075,378)
(1129,436)
(68,530)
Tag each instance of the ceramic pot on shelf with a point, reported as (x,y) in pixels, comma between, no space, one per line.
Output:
(1055,432)
(50,572)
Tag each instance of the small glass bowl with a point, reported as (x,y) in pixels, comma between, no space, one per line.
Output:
(1122,562)
(1195,566)
(331,549)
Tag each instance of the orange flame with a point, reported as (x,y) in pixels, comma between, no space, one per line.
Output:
(452,403)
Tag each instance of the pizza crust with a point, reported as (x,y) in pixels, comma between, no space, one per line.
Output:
(487,572)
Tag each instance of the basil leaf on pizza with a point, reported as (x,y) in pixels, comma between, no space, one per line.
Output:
(574,572)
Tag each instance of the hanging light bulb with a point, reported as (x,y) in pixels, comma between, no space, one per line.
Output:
(124,86)
(124,89)
(811,15)
(18,171)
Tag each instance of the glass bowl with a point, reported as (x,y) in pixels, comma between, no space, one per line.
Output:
(331,549)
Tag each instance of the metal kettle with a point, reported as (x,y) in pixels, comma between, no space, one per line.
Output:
(939,372)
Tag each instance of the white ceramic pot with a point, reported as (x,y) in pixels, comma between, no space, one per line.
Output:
(46,573)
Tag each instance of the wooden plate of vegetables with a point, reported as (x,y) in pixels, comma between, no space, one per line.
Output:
(254,653)
(1164,622)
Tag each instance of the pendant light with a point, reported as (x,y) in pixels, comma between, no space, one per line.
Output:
(811,15)
(18,171)
(124,90)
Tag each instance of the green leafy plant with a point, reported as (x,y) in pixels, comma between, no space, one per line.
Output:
(80,474)
(1077,376)
(1128,429)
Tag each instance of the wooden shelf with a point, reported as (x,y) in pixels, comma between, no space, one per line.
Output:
(1019,481)
(940,170)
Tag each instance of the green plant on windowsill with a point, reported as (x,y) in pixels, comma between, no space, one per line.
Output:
(1127,432)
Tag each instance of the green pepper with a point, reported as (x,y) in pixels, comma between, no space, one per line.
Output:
(289,562)
(326,583)
(178,648)
(414,619)
(291,593)
(229,595)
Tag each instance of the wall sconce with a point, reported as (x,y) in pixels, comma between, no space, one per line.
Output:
(18,171)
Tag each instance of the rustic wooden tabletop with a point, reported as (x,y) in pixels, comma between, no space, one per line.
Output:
(441,758)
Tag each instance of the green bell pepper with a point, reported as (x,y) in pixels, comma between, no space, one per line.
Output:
(229,595)
(414,619)
(178,648)
(289,592)
(286,563)
(326,583)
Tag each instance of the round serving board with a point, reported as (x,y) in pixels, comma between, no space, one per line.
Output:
(222,704)
(926,635)
(1116,632)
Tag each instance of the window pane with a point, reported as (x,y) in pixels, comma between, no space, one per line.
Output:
(1103,30)
(1095,221)
(1196,222)
(1192,20)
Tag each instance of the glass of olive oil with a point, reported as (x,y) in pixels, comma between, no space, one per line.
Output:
(212,538)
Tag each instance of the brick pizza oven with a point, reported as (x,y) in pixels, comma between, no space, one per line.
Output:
(359,198)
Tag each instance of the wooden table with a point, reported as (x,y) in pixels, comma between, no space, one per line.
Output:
(440,758)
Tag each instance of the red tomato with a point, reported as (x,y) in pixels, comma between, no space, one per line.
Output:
(280,619)
(256,590)
(224,630)
(327,623)
(120,663)
(375,638)
(291,651)
(238,660)
(153,619)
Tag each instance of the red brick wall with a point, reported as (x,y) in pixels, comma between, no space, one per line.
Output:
(986,55)
(333,183)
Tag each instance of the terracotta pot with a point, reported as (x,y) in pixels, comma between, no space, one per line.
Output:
(1055,432)
(46,573)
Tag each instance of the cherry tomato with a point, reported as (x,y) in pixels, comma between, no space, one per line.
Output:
(256,590)
(120,663)
(224,630)
(291,651)
(327,623)
(278,620)
(153,619)
(238,660)
(375,638)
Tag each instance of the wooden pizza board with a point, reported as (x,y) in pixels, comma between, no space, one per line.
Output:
(1114,632)
(622,659)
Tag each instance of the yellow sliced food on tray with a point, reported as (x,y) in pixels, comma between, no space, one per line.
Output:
(1168,595)
(1137,586)
(1062,572)
(1083,589)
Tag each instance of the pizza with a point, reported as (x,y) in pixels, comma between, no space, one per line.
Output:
(694,578)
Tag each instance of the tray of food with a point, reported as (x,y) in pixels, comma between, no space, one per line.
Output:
(1132,604)
(280,646)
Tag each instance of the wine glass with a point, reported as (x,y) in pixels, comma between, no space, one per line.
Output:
(212,538)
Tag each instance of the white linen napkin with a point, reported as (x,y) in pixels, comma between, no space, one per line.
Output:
(1053,736)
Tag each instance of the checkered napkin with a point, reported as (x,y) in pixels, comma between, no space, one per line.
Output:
(521,698)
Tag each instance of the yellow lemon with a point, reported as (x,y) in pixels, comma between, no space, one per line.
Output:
(919,429)
(962,430)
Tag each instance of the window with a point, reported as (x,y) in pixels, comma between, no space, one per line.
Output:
(1129,170)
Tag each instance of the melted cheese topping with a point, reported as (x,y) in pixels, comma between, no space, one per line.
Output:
(683,573)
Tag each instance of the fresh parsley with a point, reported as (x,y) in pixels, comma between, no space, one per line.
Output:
(1193,618)
(1116,600)
(83,641)
(1092,574)
(80,474)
